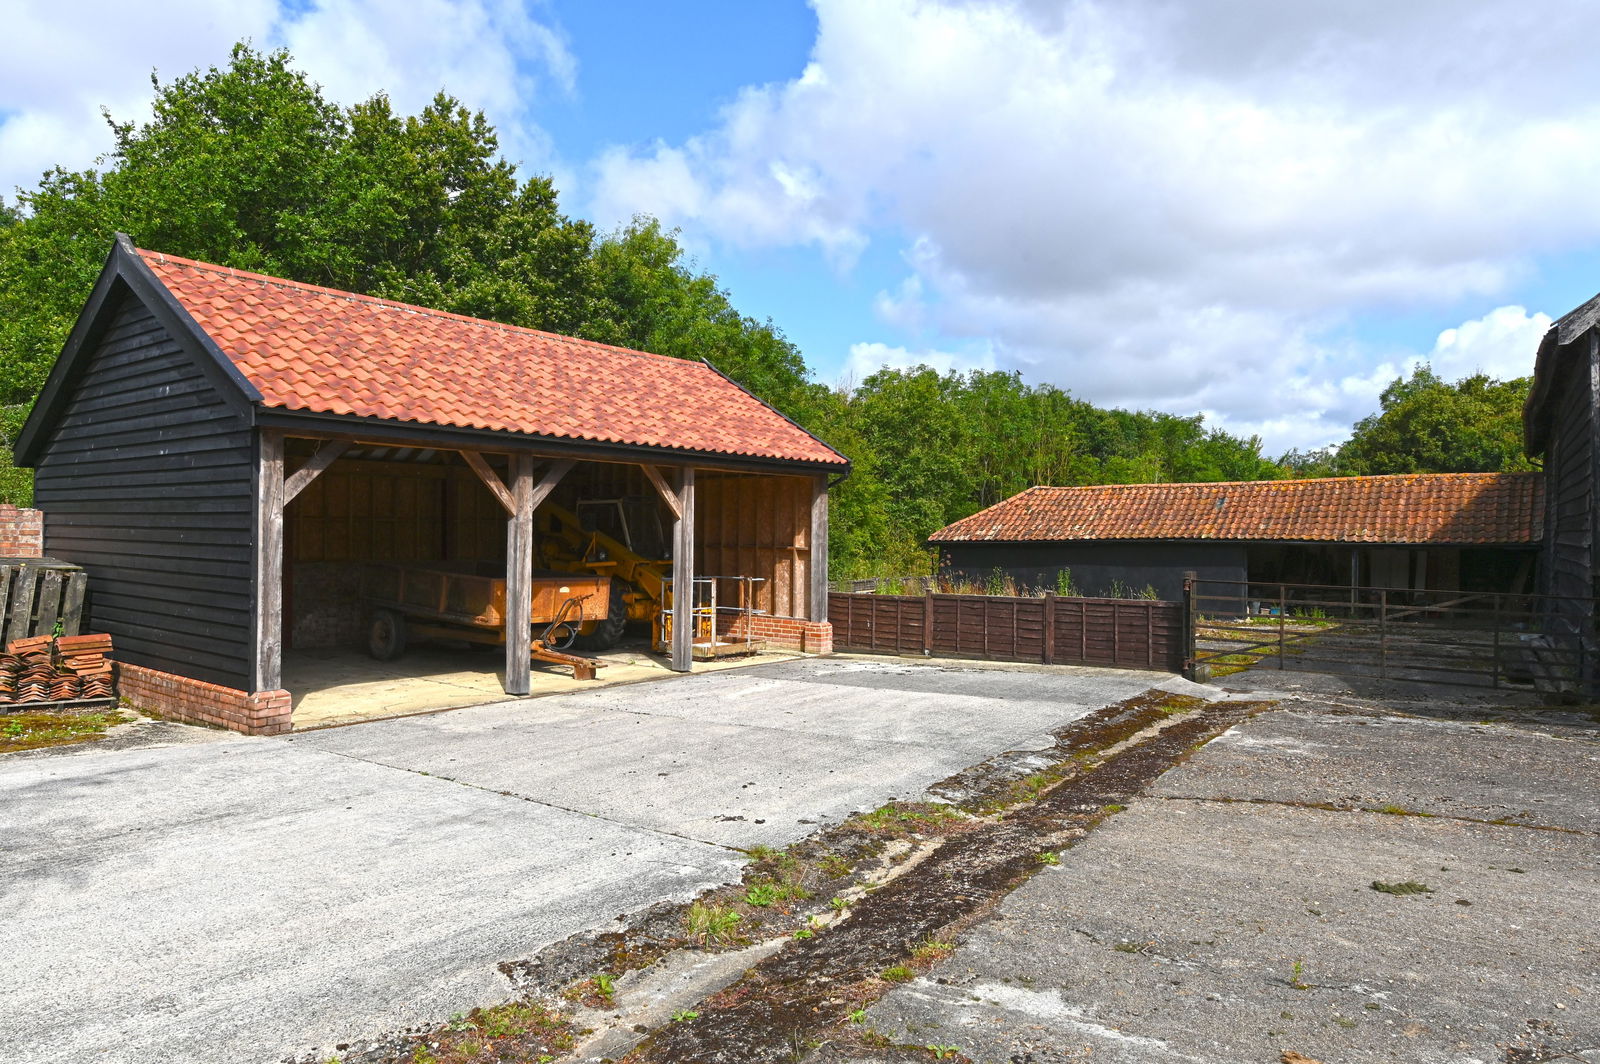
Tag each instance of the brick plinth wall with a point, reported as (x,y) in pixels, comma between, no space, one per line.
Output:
(21,532)
(789,633)
(196,702)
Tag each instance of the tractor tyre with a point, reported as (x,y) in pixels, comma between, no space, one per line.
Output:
(608,631)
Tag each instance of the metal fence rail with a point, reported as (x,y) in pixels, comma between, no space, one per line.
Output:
(1473,639)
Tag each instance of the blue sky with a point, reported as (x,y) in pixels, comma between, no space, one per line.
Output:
(1259,211)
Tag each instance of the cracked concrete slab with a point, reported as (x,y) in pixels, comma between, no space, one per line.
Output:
(1197,930)
(254,899)
(1486,771)
(762,755)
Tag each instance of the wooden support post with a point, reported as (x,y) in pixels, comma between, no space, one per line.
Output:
(1049,655)
(268,672)
(818,606)
(927,623)
(683,575)
(302,477)
(1191,666)
(519,577)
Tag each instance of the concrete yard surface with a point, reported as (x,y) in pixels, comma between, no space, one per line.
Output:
(255,899)
(1230,914)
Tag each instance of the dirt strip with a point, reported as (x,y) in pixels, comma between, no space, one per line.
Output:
(780,1006)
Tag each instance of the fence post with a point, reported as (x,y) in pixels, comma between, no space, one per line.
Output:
(1283,615)
(1191,668)
(1495,664)
(1049,655)
(927,624)
(1383,634)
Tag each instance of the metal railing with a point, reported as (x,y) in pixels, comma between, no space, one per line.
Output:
(1480,639)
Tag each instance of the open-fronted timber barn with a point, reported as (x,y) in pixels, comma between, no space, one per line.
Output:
(222,451)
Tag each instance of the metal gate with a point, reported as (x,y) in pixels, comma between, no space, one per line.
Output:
(1471,639)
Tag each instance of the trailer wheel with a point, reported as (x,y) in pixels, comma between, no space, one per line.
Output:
(608,630)
(386,635)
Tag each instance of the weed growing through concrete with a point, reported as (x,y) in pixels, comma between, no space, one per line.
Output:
(1049,857)
(1407,887)
(711,924)
(517,1030)
(684,1015)
(897,973)
(835,866)
(930,950)
(1400,810)
(898,819)
(1296,971)
(31,731)
(942,1052)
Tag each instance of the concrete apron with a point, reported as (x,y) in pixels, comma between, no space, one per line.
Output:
(252,899)
(1231,915)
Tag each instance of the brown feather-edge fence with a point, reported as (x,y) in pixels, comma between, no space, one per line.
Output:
(1051,629)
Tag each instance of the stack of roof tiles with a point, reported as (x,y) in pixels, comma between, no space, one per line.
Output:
(44,669)
(319,350)
(1500,509)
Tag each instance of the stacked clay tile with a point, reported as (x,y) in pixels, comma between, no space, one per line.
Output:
(84,659)
(45,669)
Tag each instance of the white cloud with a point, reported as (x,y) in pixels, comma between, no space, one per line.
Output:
(59,65)
(1500,344)
(867,358)
(1166,204)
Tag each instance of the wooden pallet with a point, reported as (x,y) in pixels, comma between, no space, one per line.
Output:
(66,705)
(36,595)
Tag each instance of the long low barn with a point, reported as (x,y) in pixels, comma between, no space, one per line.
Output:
(1439,531)
(222,450)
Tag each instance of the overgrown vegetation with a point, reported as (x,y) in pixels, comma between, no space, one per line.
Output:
(251,166)
(33,730)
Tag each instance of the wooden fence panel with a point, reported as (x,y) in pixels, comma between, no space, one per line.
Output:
(1120,633)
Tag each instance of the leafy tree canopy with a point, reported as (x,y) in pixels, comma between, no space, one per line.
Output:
(1429,425)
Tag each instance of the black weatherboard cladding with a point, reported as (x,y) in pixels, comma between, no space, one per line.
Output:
(146,481)
(1570,476)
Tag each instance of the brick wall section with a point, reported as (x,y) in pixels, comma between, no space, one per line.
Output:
(196,702)
(789,633)
(21,532)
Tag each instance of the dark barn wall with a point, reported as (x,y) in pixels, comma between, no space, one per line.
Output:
(147,482)
(1569,562)
(1095,565)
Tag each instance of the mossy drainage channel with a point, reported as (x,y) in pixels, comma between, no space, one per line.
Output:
(792,998)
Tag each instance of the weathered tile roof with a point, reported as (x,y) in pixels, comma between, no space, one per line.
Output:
(1459,508)
(325,351)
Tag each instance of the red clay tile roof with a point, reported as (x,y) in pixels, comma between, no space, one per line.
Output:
(320,350)
(1460,508)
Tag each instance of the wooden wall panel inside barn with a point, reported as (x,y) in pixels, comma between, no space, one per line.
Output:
(147,482)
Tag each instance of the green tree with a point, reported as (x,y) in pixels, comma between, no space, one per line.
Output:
(1428,425)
